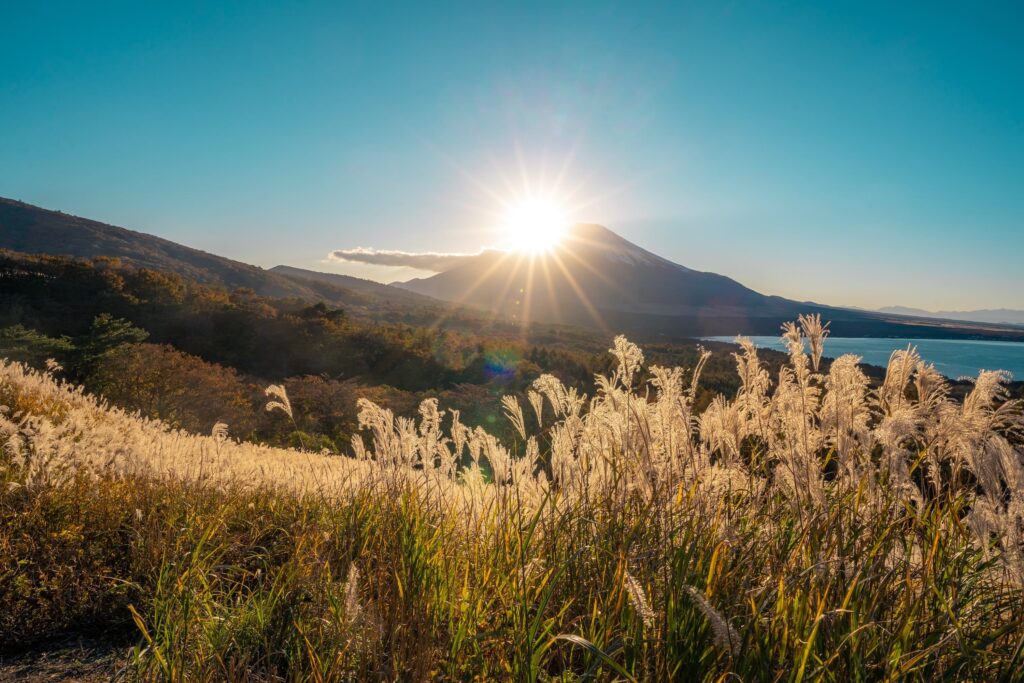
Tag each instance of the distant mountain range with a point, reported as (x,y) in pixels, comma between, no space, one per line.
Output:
(999,316)
(594,279)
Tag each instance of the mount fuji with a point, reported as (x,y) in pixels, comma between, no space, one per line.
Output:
(595,278)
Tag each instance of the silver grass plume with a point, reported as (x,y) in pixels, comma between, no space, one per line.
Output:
(897,374)
(219,431)
(932,388)
(537,401)
(702,360)
(793,339)
(459,433)
(430,417)
(815,333)
(358,449)
(630,358)
(551,388)
(988,387)
(532,455)
(408,442)
(723,634)
(638,599)
(514,414)
(754,380)
(381,421)
(722,428)
(844,410)
(276,391)
(352,593)
(574,402)
(432,443)
(668,382)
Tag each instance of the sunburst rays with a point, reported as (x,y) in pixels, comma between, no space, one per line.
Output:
(534,279)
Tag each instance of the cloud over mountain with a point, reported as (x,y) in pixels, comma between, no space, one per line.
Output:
(436,262)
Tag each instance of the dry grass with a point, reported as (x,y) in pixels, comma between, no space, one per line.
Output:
(806,529)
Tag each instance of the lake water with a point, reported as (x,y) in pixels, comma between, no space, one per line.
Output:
(952,357)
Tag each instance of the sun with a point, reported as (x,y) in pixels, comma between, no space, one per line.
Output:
(535,225)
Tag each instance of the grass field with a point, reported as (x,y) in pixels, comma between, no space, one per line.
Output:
(807,528)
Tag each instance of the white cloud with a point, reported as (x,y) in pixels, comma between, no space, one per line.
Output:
(432,261)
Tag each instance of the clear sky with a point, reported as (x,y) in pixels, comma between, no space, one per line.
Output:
(849,153)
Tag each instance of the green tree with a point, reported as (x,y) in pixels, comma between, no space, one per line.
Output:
(19,343)
(106,334)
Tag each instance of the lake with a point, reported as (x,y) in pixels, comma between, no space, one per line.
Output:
(952,357)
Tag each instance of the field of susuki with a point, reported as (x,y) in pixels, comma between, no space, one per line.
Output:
(811,527)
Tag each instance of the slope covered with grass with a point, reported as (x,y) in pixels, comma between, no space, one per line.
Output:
(807,528)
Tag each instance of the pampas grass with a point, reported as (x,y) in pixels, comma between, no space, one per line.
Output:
(809,527)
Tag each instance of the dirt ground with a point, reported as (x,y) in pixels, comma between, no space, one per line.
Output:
(74,659)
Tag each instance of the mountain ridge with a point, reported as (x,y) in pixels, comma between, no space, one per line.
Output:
(386,291)
(35,230)
(596,277)
(595,263)
(999,316)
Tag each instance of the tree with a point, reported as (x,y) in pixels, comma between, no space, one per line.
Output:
(19,343)
(106,335)
(184,391)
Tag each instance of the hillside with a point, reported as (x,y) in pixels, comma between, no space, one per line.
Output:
(207,350)
(773,530)
(379,291)
(34,230)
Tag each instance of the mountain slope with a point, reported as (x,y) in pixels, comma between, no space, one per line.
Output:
(592,266)
(378,290)
(597,278)
(34,230)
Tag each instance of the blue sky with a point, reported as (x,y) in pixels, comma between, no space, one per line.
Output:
(850,153)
